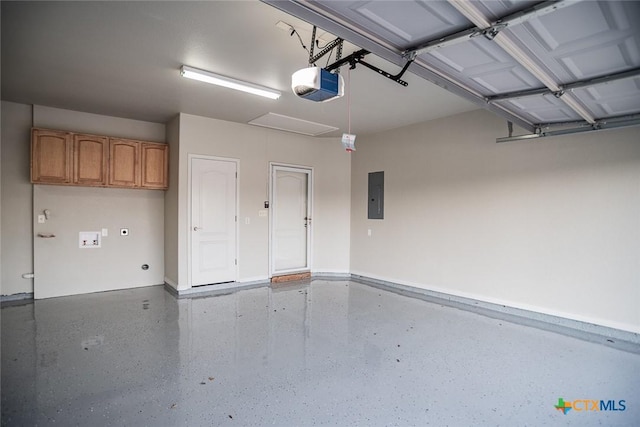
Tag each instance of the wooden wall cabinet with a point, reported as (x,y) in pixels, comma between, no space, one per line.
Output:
(155,165)
(124,163)
(51,156)
(65,158)
(90,155)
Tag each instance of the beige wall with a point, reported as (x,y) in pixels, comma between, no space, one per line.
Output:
(61,268)
(255,147)
(171,205)
(551,225)
(16,200)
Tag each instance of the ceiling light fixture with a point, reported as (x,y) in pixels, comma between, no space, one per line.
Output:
(217,79)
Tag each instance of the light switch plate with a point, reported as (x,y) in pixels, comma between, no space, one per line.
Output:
(105,232)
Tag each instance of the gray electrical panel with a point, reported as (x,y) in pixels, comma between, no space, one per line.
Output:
(376,195)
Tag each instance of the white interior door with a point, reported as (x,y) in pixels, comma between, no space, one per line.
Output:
(213,221)
(291,219)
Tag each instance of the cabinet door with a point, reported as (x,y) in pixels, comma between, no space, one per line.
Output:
(124,163)
(90,159)
(50,157)
(155,165)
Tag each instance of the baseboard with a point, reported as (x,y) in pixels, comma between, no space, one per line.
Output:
(325,275)
(219,289)
(610,337)
(170,288)
(170,282)
(16,299)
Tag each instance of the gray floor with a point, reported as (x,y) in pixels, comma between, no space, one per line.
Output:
(320,353)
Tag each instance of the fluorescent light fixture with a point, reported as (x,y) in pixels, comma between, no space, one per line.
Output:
(217,79)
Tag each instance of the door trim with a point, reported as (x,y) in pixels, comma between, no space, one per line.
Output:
(189,218)
(273,166)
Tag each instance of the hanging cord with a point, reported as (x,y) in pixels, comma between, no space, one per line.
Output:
(293,31)
(349,99)
(349,144)
(328,59)
(330,53)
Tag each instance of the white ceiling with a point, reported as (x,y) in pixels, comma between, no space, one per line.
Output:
(123,59)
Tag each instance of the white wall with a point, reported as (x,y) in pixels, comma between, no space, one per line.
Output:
(255,147)
(551,225)
(16,200)
(60,266)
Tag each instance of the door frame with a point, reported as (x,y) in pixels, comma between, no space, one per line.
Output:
(190,218)
(273,166)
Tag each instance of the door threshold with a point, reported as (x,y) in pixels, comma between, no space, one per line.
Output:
(291,277)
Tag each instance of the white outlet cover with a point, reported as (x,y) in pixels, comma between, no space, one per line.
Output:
(89,239)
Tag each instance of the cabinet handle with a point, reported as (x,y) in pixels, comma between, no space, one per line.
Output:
(196,228)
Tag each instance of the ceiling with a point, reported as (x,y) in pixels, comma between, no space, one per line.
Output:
(542,65)
(123,59)
(553,66)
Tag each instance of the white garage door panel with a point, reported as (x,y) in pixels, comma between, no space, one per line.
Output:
(573,42)
(618,99)
(542,109)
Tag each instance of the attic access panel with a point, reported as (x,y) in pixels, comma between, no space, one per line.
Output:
(540,65)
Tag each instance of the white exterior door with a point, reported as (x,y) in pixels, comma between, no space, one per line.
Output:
(213,221)
(290,219)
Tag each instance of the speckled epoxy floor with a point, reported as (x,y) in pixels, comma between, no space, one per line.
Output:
(325,353)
